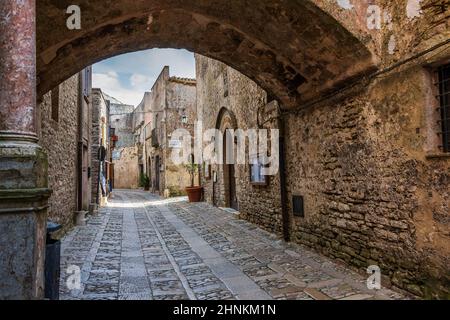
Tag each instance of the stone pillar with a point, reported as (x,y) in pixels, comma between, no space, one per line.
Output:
(23,164)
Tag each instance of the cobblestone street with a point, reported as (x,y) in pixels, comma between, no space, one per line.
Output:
(143,247)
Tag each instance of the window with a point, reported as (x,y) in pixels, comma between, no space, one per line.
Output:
(225,84)
(444,108)
(256,171)
(87,82)
(55,104)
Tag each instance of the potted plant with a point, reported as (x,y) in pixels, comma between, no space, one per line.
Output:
(145,182)
(194,192)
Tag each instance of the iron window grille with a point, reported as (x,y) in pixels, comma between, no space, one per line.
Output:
(444,108)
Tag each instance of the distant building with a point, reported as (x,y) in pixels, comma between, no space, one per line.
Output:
(170,105)
(64,122)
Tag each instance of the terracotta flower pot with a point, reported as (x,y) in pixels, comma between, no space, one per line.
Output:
(194,193)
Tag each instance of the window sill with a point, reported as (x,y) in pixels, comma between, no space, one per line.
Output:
(259,184)
(434,156)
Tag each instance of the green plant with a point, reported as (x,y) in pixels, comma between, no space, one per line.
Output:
(191,168)
(144,181)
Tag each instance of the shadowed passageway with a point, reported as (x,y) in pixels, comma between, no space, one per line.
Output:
(143,247)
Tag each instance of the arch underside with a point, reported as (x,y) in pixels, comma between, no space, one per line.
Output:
(292,49)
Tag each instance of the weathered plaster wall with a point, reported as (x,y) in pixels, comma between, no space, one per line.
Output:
(375,183)
(59,140)
(126,170)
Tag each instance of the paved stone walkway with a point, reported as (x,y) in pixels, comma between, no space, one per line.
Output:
(143,247)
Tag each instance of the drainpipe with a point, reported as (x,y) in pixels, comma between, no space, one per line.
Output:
(282,172)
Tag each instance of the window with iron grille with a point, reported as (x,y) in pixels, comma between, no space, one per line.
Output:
(225,84)
(444,109)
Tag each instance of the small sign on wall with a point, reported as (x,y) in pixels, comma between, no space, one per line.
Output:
(175,144)
(214,176)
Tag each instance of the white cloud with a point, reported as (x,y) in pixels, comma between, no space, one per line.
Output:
(110,83)
(138,80)
(127,77)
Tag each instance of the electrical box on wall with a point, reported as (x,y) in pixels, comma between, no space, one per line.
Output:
(298,206)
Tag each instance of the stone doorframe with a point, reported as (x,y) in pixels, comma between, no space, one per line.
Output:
(225,120)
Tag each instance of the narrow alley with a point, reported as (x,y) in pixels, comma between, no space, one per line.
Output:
(143,247)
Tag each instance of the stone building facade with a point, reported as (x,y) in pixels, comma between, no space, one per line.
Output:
(64,122)
(125,154)
(374,182)
(169,106)
(101,148)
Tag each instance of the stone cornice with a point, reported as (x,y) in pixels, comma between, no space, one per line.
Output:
(37,194)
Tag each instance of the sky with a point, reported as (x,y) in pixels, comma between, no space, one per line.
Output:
(127,77)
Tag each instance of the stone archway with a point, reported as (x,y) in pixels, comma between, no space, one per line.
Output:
(295,50)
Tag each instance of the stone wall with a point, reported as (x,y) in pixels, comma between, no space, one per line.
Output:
(126,170)
(125,154)
(99,132)
(375,183)
(121,119)
(180,101)
(59,140)
(242,98)
(375,186)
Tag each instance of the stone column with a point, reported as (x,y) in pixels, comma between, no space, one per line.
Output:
(23,164)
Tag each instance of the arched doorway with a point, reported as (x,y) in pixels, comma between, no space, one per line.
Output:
(226,123)
(229,172)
